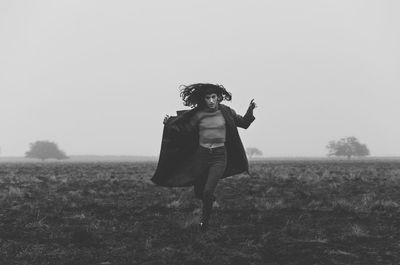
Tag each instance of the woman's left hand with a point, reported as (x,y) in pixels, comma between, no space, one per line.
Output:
(252,105)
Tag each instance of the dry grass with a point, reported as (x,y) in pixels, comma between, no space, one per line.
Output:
(287,212)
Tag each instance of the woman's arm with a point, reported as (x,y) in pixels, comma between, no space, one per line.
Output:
(245,121)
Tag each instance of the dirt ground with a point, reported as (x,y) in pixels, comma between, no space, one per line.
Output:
(285,212)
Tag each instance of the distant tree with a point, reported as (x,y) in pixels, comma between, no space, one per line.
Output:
(252,151)
(45,150)
(347,147)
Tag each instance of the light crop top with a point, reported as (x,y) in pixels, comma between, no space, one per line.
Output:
(211,127)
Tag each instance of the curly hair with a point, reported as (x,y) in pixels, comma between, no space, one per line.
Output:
(193,95)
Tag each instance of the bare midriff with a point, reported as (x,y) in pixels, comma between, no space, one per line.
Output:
(213,145)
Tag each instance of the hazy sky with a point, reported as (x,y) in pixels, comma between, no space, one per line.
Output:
(97,76)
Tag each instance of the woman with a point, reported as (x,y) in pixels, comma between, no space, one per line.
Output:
(202,145)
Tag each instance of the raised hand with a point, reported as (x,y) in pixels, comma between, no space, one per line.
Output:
(252,105)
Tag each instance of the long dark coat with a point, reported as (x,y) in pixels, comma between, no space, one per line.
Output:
(180,141)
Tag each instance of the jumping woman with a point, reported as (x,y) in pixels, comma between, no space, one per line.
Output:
(202,145)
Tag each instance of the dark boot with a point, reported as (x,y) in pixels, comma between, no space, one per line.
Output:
(206,213)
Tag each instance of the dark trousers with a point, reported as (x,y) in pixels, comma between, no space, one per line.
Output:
(209,168)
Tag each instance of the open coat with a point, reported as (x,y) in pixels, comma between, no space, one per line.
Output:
(180,141)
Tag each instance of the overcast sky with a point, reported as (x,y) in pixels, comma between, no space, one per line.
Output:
(97,76)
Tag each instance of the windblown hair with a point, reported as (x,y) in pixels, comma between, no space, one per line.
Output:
(193,95)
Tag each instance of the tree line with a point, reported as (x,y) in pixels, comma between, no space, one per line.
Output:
(345,147)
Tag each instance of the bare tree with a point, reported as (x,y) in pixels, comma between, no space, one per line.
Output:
(253,151)
(45,150)
(347,147)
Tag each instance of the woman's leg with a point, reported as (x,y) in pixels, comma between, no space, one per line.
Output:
(201,171)
(217,164)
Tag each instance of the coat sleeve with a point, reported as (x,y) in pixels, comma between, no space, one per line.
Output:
(243,121)
(180,128)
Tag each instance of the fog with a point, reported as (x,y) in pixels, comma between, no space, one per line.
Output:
(97,77)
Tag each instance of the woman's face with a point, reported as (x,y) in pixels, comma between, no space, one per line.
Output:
(211,100)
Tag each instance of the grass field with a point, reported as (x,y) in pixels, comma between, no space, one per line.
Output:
(286,212)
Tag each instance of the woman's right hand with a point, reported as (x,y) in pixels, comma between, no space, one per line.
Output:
(166,118)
